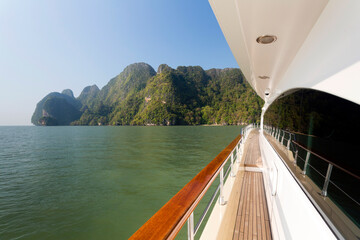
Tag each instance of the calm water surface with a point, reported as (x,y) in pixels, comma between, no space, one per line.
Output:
(96,182)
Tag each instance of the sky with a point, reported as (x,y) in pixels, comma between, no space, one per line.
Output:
(48,46)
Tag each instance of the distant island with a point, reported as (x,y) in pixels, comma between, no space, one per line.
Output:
(141,96)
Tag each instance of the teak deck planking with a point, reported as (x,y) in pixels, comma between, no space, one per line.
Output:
(252,155)
(252,219)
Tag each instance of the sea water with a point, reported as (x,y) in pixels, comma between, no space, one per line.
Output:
(96,182)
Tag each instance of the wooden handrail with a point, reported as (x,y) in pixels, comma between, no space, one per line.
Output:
(167,222)
(324,159)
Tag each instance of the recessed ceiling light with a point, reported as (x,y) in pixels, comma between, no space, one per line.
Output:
(264,77)
(266,39)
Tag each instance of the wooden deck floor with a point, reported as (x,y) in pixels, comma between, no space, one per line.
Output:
(252,154)
(252,218)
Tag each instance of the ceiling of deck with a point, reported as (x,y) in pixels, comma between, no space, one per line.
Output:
(308,50)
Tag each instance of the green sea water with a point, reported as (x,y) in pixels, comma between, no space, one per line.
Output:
(96,182)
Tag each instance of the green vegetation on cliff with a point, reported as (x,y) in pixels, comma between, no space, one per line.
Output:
(141,96)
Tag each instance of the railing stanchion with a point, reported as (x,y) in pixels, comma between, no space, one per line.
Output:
(327,180)
(221,196)
(279,135)
(288,143)
(191,227)
(238,149)
(232,174)
(306,162)
(296,156)
(241,148)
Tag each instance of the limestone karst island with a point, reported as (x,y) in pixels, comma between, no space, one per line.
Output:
(141,96)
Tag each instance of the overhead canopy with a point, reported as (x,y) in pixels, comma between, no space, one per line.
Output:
(317,44)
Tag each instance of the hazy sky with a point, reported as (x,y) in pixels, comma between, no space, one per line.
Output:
(47,46)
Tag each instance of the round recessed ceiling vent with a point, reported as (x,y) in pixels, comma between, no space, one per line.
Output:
(264,77)
(266,39)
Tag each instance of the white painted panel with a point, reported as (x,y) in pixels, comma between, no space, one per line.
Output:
(329,58)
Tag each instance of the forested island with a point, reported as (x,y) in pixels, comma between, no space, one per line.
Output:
(141,96)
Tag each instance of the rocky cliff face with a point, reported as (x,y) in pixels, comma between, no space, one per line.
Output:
(57,109)
(68,92)
(131,80)
(162,68)
(89,95)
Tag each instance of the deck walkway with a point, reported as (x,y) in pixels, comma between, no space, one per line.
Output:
(252,156)
(247,214)
(252,218)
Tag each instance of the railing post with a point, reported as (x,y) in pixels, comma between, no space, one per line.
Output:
(296,156)
(221,196)
(238,154)
(232,174)
(306,163)
(282,139)
(242,146)
(288,144)
(327,180)
(191,226)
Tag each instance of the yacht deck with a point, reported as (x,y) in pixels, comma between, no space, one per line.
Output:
(252,154)
(247,215)
(252,220)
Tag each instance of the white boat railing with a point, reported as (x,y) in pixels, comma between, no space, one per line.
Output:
(288,140)
(238,153)
(244,133)
(167,222)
